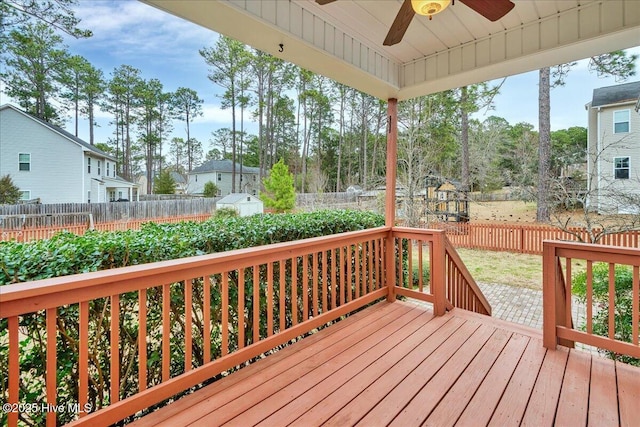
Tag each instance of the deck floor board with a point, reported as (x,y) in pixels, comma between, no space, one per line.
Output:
(395,363)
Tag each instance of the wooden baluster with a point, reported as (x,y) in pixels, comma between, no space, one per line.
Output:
(322,256)
(283,296)
(166,331)
(294,291)
(314,282)
(305,287)
(270,279)
(357,269)
(589,297)
(188,328)
(83,356)
(241,308)
(256,303)
(115,349)
(370,258)
(224,296)
(635,310)
(420,266)
(14,368)
(612,300)
(334,279)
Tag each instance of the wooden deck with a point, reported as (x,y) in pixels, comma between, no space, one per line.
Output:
(397,364)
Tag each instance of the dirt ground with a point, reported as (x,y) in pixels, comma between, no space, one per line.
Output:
(505,211)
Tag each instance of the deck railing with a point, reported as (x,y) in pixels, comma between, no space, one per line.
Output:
(114,343)
(610,298)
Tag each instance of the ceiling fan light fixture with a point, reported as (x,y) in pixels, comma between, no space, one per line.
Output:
(429,7)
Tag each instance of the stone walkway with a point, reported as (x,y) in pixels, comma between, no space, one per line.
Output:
(522,305)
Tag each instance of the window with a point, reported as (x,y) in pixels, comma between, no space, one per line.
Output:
(107,168)
(112,194)
(219,177)
(24,162)
(119,194)
(254,178)
(89,165)
(25,194)
(621,121)
(88,196)
(99,167)
(621,167)
(196,178)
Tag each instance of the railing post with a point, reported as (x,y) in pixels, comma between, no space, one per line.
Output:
(438,273)
(390,266)
(549,274)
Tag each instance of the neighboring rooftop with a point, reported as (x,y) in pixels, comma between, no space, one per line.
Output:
(628,92)
(222,166)
(61,131)
(236,197)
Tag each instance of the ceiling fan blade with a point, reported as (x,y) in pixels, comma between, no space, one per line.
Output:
(400,24)
(490,9)
(323,2)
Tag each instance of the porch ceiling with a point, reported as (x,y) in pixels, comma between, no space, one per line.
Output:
(343,40)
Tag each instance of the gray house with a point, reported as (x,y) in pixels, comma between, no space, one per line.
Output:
(614,149)
(48,163)
(219,172)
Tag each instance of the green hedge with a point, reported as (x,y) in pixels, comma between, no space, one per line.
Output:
(68,254)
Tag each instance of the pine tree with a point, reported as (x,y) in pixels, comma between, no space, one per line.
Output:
(9,193)
(165,184)
(279,193)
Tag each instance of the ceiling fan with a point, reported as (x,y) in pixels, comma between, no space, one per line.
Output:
(490,9)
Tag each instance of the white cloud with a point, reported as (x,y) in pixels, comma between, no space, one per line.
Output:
(131,29)
(212,113)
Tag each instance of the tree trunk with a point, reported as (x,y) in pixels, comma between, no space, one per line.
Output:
(464,139)
(544,148)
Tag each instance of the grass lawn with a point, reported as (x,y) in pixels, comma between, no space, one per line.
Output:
(508,268)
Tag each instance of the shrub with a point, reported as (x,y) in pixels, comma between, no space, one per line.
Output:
(225,213)
(210,189)
(623,301)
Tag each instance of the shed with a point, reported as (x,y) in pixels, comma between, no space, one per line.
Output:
(244,203)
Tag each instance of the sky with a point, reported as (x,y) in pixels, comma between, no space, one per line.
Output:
(165,47)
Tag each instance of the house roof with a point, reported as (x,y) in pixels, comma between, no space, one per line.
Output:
(236,197)
(222,166)
(624,93)
(343,39)
(60,131)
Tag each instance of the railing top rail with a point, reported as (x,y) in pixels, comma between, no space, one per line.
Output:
(21,298)
(418,231)
(593,248)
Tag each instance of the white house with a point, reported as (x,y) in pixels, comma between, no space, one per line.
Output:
(245,204)
(219,172)
(614,149)
(48,163)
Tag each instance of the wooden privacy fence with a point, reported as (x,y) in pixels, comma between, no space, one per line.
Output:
(29,234)
(522,238)
(65,214)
